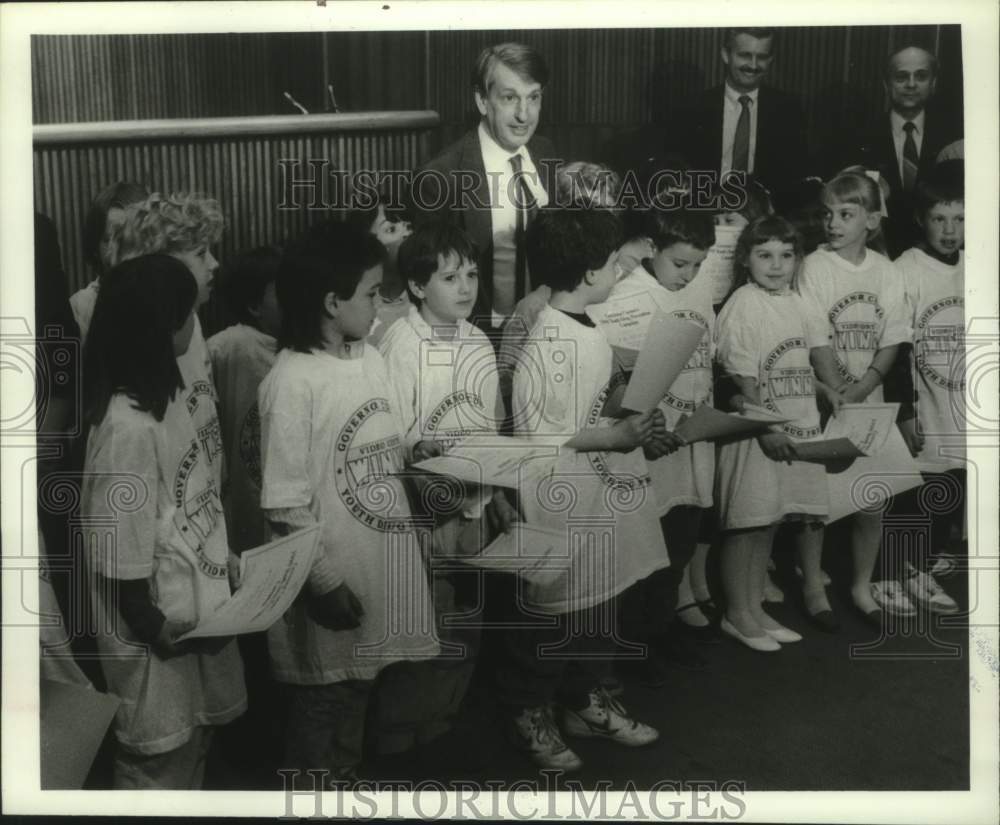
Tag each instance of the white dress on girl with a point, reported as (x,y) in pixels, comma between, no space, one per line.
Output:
(685,477)
(331,442)
(935,293)
(763,336)
(601,501)
(862,306)
(152,510)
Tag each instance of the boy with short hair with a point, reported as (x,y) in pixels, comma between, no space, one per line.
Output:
(332,451)
(682,474)
(929,378)
(611,531)
(241,356)
(444,370)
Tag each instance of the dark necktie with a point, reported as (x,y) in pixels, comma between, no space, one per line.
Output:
(526,205)
(741,141)
(911,160)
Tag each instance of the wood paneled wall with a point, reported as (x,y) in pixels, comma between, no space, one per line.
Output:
(603,81)
(234,160)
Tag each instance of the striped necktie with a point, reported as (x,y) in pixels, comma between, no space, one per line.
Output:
(526,206)
(911,160)
(741,141)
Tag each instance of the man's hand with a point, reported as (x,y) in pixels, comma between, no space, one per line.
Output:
(853,394)
(777,447)
(233,568)
(633,431)
(914,440)
(339,609)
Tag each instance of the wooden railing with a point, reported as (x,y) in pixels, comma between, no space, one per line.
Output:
(247,163)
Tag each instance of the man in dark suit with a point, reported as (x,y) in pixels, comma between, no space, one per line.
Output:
(903,144)
(495,176)
(744,125)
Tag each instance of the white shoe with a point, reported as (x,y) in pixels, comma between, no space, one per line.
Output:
(944,565)
(606,718)
(890,596)
(535,733)
(927,593)
(762,644)
(783,635)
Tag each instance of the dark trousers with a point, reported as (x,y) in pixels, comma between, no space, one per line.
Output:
(562,660)
(919,521)
(650,605)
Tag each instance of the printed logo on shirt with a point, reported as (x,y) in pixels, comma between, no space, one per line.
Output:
(599,460)
(210,439)
(700,361)
(199,389)
(250,445)
(197,510)
(792,379)
(454,403)
(940,340)
(364,471)
(854,334)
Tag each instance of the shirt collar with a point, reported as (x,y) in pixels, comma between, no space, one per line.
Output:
(495,157)
(733,96)
(897,121)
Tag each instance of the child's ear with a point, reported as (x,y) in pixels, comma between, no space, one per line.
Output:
(873,220)
(416,289)
(331,303)
(589,277)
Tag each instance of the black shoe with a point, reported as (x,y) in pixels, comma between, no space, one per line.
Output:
(825,621)
(678,651)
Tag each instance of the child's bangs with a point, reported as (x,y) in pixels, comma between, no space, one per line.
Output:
(851,189)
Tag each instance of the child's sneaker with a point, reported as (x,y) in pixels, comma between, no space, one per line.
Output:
(944,565)
(890,596)
(605,717)
(927,593)
(534,732)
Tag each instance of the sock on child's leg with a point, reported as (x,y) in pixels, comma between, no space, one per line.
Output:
(696,572)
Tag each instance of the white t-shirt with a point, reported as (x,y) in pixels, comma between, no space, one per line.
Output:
(82,303)
(863,306)
(685,476)
(152,510)
(448,388)
(387,313)
(241,357)
(602,500)
(764,336)
(331,441)
(935,294)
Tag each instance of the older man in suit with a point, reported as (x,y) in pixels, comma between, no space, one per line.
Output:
(903,144)
(744,125)
(492,180)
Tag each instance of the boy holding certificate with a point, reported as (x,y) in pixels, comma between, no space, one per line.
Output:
(597,493)
(682,474)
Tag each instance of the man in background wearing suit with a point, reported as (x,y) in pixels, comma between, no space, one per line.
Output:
(904,143)
(492,180)
(743,125)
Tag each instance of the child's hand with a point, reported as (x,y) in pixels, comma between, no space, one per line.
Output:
(777,447)
(738,403)
(830,400)
(339,609)
(233,568)
(633,431)
(853,394)
(914,440)
(663,444)
(166,644)
(423,450)
(500,513)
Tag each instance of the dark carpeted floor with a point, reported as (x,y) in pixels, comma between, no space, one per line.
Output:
(858,710)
